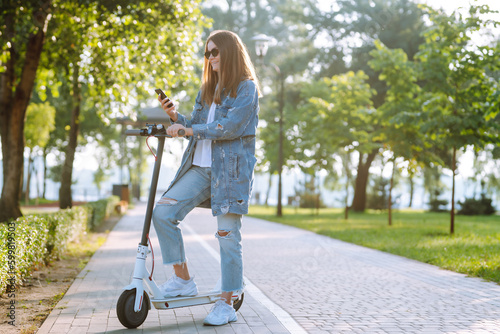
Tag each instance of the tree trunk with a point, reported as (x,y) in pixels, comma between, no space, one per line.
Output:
(13,112)
(65,196)
(44,179)
(279,209)
(37,184)
(412,190)
(318,195)
(389,205)
(359,200)
(6,87)
(346,210)
(268,192)
(347,182)
(452,213)
(28,179)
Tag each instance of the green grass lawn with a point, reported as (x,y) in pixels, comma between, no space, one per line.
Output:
(474,249)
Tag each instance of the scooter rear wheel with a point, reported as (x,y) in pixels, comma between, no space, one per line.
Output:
(238,302)
(125,309)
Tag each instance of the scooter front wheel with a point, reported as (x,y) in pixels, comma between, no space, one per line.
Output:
(125,309)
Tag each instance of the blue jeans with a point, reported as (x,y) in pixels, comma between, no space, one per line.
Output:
(188,192)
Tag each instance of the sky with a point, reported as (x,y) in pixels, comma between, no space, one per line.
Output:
(451,5)
(448,5)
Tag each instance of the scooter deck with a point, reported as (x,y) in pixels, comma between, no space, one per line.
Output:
(176,302)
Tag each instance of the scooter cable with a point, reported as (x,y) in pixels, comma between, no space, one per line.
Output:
(154,155)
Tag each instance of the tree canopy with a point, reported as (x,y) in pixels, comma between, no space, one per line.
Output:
(107,53)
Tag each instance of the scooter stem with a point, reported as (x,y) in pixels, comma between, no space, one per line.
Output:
(152,191)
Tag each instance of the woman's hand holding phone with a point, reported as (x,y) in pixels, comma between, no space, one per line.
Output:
(167,104)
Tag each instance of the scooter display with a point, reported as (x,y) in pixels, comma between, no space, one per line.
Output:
(135,301)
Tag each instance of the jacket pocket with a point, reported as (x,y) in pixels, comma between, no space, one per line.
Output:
(221,111)
(237,168)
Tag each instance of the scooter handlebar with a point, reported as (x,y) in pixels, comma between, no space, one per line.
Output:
(145,132)
(134,132)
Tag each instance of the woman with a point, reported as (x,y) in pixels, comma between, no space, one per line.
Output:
(216,169)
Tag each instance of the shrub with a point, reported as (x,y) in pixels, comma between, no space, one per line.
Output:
(311,201)
(377,196)
(26,237)
(100,210)
(64,226)
(308,194)
(436,204)
(79,218)
(472,206)
(35,240)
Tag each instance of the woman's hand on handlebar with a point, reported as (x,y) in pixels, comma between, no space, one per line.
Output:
(173,130)
(171,112)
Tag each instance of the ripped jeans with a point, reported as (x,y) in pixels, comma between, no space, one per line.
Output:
(188,192)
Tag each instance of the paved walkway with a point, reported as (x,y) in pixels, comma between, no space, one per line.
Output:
(297,282)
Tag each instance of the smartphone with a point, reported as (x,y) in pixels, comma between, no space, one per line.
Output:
(163,96)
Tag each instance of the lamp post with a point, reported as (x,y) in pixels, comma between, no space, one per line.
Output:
(261,46)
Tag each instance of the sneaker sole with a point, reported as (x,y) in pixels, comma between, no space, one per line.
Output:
(225,323)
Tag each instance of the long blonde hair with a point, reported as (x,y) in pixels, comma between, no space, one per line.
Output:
(235,66)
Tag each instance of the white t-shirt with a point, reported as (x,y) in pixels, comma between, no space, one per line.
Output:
(203,152)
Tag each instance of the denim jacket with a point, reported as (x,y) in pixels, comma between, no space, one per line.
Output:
(233,147)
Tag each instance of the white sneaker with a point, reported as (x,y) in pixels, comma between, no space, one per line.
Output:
(176,286)
(220,314)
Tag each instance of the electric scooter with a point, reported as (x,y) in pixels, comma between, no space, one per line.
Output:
(135,301)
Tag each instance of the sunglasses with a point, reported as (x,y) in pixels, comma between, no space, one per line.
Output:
(214,52)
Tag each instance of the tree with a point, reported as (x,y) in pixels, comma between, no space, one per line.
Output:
(39,124)
(461,99)
(414,169)
(113,47)
(340,177)
(399,127)
(350,27)
(487,166)
(22,39)
(378,193)
(396,23)
(51,88)
(434,186)
(144,38)
(339,115)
